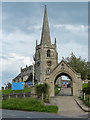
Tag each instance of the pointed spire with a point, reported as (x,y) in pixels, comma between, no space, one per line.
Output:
(45,38)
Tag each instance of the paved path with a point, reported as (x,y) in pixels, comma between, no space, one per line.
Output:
(68,106)
(65,92)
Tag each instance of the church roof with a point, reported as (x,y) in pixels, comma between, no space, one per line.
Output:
(45,37)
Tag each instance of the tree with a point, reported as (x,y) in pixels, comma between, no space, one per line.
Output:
(79,65)
(88,63)
(9,85)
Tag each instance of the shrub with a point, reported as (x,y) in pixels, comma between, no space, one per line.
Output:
(42,90)
(86,88)
(56,89)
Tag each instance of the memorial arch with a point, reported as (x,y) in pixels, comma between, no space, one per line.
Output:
(65,83)
(64,69)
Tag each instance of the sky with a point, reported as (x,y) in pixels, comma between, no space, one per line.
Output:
(22,25)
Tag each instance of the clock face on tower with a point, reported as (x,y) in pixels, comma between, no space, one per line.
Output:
(49,63)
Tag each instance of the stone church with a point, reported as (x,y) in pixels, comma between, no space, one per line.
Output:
(46,67)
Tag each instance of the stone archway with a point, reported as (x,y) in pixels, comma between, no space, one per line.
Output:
(63,67)
(58,82)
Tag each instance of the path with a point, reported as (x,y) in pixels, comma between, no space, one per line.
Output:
(65,92)
(68,107)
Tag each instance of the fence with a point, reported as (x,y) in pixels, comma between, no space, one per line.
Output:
(17,95)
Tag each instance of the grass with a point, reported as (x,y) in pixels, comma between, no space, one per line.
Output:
(86,101)
(14,91)
(28,104)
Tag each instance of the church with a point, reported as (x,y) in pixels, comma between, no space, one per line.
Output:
(46,68)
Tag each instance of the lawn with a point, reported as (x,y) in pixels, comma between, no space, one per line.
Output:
(14,91)
(28,104)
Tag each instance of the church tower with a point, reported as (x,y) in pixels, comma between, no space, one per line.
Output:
(46,56)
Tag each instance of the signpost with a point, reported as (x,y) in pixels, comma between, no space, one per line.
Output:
(18,86)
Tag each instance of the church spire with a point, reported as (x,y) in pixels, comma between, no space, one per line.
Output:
(45,37)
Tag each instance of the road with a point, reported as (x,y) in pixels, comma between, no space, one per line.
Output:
(25,114)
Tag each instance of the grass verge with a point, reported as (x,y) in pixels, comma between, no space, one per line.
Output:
(86,101)
(28,104)
(14,91)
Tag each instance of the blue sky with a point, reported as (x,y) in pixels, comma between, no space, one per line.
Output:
(22,24)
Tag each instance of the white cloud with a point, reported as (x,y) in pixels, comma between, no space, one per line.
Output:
(16,36)
(20,42)
(72,28)
(66,49)
(36,27)
(15,61)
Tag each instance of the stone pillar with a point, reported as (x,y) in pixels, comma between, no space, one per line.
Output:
(33,90)
(51,87)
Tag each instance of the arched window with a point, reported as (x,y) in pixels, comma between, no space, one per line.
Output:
(48,53)
(48,71)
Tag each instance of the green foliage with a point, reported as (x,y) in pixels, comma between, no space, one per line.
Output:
(86,88)
(28,104)
(85,85)
(7,91)
(86,101)
(56,89)
(79,65)
(42,89)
